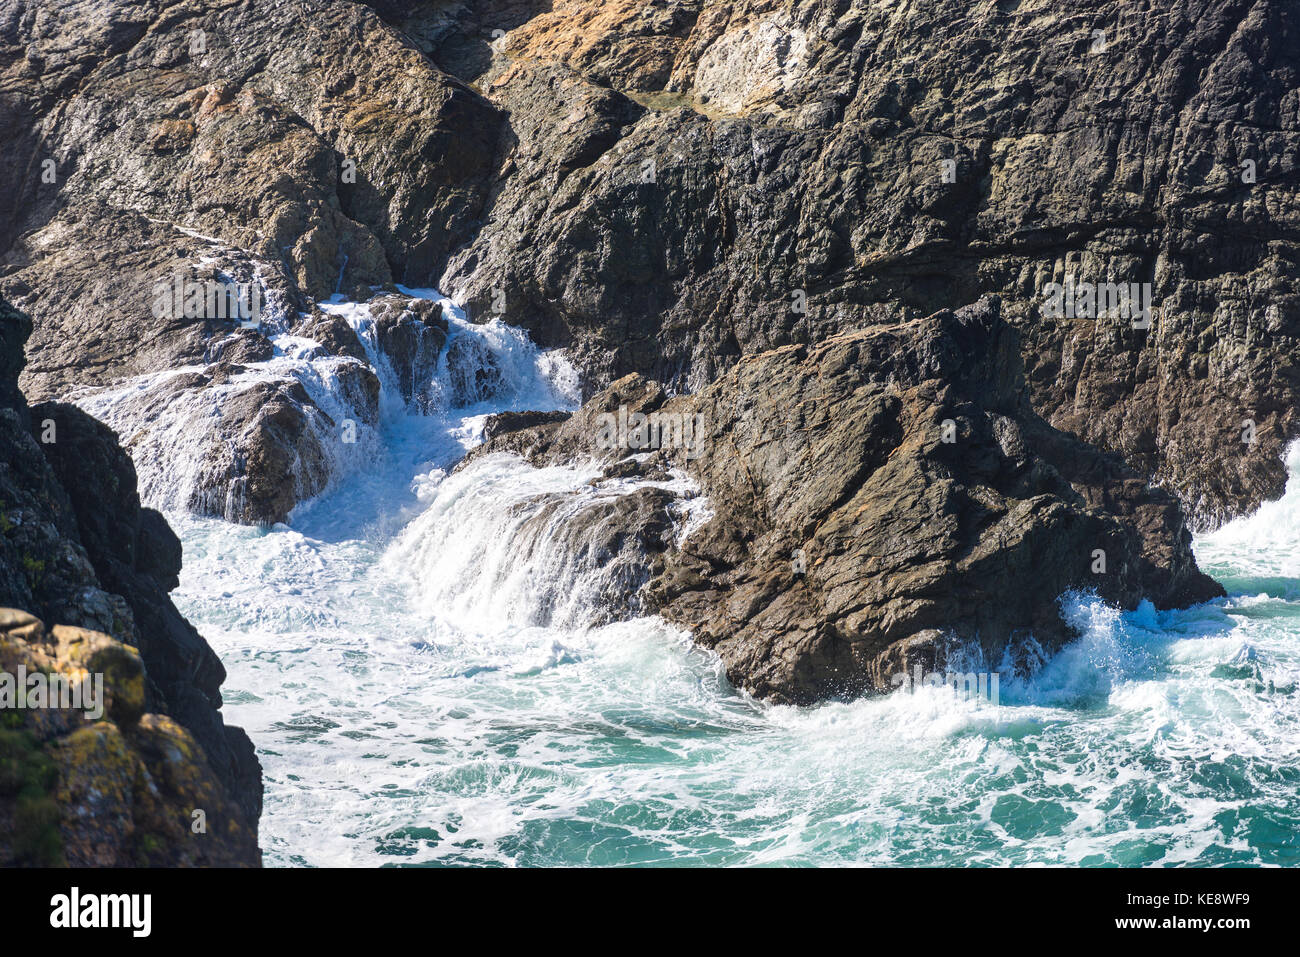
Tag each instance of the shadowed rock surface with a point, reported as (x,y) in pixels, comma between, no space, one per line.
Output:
(787,182)
(663,189)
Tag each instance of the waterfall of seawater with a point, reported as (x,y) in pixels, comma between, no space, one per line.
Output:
(413,661)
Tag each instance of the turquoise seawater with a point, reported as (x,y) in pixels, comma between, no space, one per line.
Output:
(407,659)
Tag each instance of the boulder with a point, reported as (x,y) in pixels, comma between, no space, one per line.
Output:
(90,778)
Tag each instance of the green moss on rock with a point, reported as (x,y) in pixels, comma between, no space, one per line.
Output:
(29,778)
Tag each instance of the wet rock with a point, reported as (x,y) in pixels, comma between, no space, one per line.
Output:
(251,447)
(410,334)
(561,438)
(241,347)
(504,422)
(333,333)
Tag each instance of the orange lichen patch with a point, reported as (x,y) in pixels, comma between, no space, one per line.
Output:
(97,775)
(613,41)
(166,136)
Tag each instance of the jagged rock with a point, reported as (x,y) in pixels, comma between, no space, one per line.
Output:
(877,495)
(333,333)
(77,548)
(105,784)
(502,423)
(664,189)
(206,117)
(243,346)
(410,334)
(182,134)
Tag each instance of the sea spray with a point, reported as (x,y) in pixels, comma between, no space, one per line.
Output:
(184,462)
(411,709)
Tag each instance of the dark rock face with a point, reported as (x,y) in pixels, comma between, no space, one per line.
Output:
(665,189)
(879,494)
(77,548)
(671,191)
(410,334)
(808,169)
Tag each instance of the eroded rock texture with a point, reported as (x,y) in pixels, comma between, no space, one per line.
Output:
(666,187)
(669,189)
(304,148)
(667,226)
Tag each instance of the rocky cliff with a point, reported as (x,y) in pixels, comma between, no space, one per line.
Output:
(663,189)
(77,549)
(719,198)
(694,181)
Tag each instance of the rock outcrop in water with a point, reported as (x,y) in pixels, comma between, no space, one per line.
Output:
(719,198)
(876,499)
(76,548)
(243,443)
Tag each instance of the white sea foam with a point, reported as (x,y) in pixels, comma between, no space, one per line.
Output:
(411,661)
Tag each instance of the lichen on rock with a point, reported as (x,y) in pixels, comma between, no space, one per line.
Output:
(119,789)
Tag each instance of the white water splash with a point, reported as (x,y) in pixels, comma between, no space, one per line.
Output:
(184,458)
(421,693)
(525,561)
